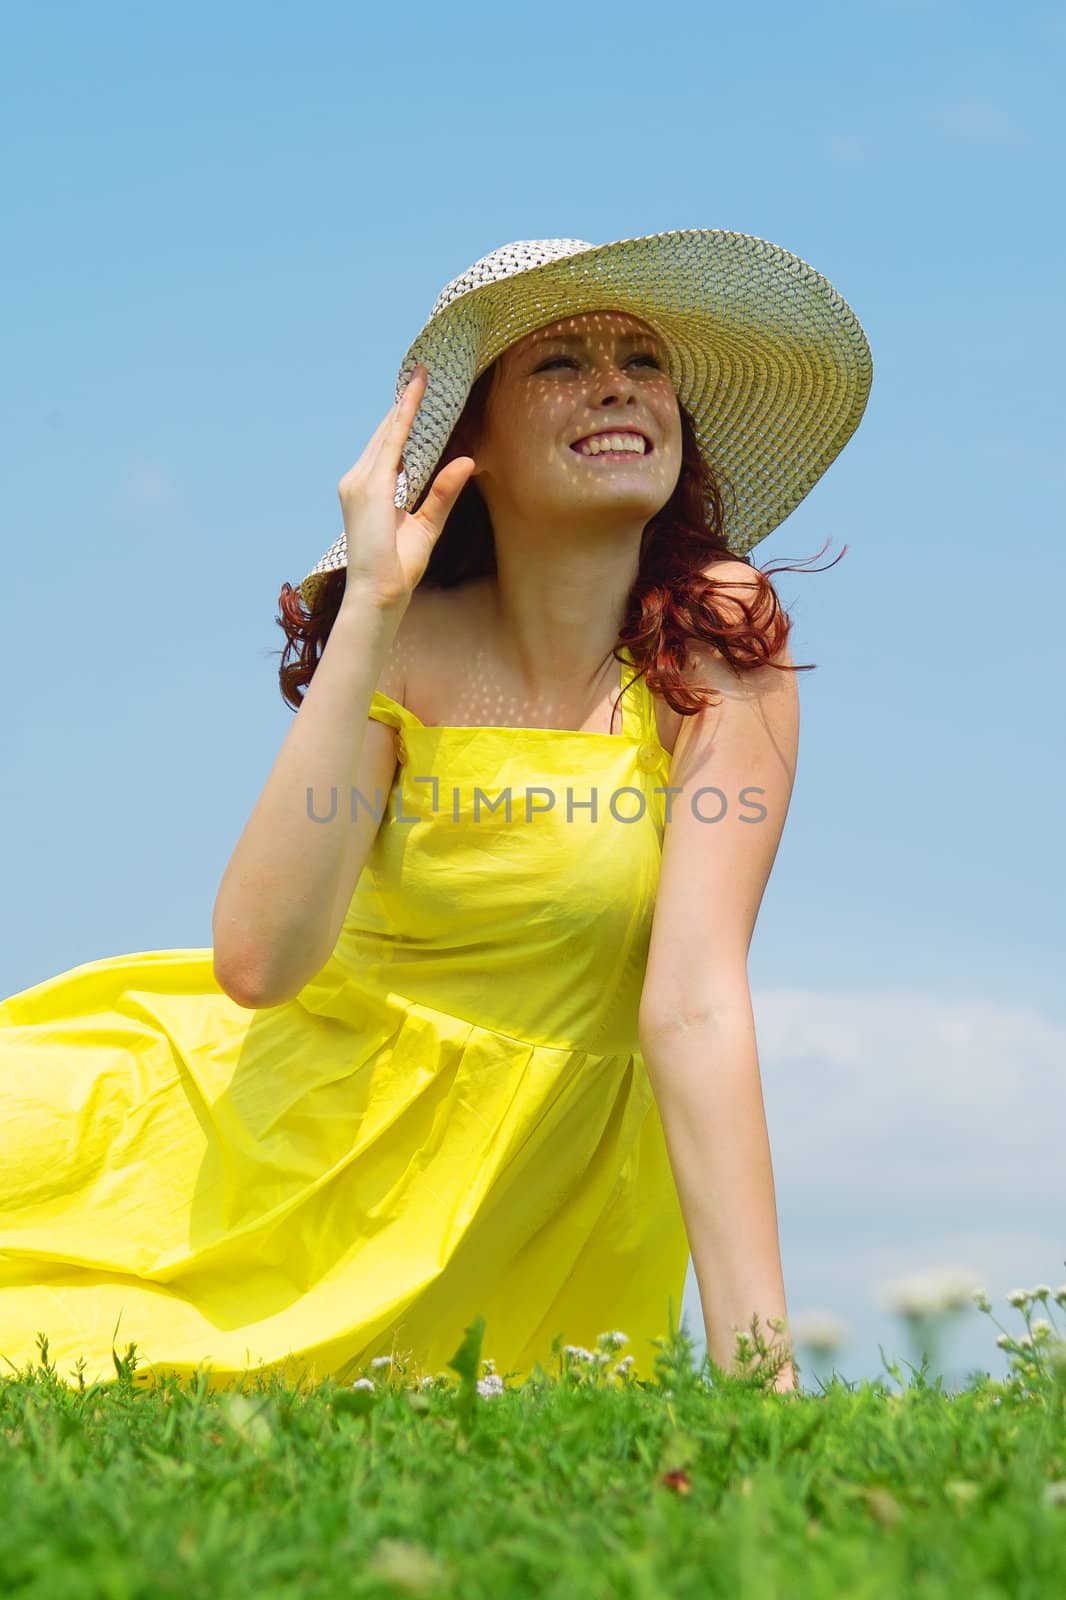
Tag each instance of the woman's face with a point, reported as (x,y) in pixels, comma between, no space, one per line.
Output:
(589,374)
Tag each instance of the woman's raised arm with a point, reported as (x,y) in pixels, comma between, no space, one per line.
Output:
(282,900)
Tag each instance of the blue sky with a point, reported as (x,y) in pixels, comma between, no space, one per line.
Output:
(225,224)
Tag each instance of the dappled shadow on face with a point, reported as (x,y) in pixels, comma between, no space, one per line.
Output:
(577,447)
(600,373)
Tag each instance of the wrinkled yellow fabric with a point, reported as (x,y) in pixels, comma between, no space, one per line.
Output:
(452,1118)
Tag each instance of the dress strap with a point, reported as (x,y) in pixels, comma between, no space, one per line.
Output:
(383,708)
(634,701)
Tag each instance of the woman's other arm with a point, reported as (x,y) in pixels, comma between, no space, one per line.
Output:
(697,1031)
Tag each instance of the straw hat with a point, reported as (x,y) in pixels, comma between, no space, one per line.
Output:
(770,362)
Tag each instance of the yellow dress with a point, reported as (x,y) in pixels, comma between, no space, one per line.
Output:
(453,1117)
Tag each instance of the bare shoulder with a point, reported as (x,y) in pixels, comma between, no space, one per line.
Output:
(765,697)
(733,579)
(738,585)
(417,651)
(741,594)
(402,656)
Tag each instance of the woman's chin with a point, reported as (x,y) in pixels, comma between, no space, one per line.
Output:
(631,498)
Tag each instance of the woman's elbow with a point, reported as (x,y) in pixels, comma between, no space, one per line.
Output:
(247,988)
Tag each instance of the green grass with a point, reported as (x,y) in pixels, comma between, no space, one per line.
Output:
(579,1483)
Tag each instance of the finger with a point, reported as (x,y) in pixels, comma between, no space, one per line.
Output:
(389,455)
(372,450)
(443,492)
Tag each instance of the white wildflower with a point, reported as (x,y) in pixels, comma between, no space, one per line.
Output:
(1041,1327)
(381,1361)
(614,1340)
(489,1364)
(363,1383)
(821,1330)
(1041,1291)
(623,1367)
(933,1292)
(1019,1298)
(424,1383)
(493,1384)
(579,1352)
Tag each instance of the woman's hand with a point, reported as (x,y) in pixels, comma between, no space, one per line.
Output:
(388,549)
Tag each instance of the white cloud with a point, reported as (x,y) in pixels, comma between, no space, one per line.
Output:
(891,1086)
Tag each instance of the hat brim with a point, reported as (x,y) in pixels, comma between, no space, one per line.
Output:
(770,362)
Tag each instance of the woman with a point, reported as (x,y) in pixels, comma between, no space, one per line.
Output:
(474,1034)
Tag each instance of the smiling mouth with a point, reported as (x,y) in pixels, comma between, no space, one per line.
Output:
(624,454)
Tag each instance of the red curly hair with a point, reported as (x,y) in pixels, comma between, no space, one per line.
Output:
(672,602)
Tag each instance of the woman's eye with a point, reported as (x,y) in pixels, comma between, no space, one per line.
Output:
(558,360)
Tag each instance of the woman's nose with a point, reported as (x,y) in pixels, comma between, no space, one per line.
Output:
(612,385)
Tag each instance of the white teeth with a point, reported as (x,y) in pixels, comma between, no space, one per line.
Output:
(612,441)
